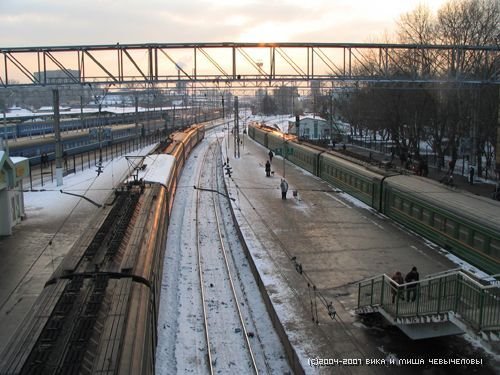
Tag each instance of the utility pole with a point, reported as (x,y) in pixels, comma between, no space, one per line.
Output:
(81,112)
(173,119)
(236,129)
(57,132)
(5,137)
(284,154)
(224,119)
(136,111)
(331,118)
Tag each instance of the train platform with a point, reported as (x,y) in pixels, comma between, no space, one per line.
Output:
(313,248)
(53,223)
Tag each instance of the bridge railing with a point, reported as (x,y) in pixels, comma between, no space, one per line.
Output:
(476,304)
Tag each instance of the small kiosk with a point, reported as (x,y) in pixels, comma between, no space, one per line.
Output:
(12,172)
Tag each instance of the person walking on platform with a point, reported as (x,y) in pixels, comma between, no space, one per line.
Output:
(271,156)
(396,289)
(268,169)
(411,290)
(471,175)
(284,188)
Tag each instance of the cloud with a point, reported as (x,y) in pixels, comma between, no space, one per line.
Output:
(76,22)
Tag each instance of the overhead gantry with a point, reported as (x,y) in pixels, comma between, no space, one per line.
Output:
(247,65)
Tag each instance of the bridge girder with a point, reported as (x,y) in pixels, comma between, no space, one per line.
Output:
(247,65)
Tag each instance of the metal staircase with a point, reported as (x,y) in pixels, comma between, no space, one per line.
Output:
(447,303)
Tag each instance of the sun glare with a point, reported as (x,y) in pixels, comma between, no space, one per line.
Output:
(266,33)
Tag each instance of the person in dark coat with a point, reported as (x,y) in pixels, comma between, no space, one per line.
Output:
(284,188)
(471,175)
(396,289)
(268,169)
(411,290)
(451,166)
(271,156)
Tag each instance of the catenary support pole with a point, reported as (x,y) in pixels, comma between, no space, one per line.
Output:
(57,132)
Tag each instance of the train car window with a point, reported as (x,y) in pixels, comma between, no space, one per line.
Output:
(395,201)
(478,241)
(495,247)
(464,234)
(407,207)
(426,216)
(438,222)
(451,227)
(416,212)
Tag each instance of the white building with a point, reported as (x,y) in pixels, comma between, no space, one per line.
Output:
(12,172)
(314,128)
(310,128)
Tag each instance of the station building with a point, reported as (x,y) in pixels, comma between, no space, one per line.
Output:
(314,128)
(311,127)
(12,172)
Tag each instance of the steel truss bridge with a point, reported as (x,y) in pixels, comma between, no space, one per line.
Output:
(242,66)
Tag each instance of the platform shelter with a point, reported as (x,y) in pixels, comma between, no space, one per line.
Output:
(12,172)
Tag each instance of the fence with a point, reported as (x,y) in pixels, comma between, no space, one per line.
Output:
(43,172)
(476,304)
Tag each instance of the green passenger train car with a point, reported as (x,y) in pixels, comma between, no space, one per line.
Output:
(354,179)
(467,225)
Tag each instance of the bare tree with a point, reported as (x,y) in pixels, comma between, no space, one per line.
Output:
(473,22)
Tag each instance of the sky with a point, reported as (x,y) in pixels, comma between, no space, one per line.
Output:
(89,22)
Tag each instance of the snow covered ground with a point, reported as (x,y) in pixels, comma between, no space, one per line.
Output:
(46,202)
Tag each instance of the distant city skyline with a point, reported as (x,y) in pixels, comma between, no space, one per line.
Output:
(57,22)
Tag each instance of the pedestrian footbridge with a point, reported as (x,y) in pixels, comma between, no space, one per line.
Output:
(447,303)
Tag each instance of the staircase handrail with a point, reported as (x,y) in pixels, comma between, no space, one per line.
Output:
(479,306)
(433,277)
(464,271)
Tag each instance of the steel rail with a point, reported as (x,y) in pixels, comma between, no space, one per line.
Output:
(200,273)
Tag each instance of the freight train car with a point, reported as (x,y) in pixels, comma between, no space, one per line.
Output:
(466,225)
(98,312)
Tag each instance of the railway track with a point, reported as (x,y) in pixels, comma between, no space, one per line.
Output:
(230,327)
(226,334)
(214,319)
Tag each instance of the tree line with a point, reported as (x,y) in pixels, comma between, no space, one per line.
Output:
(456,118)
